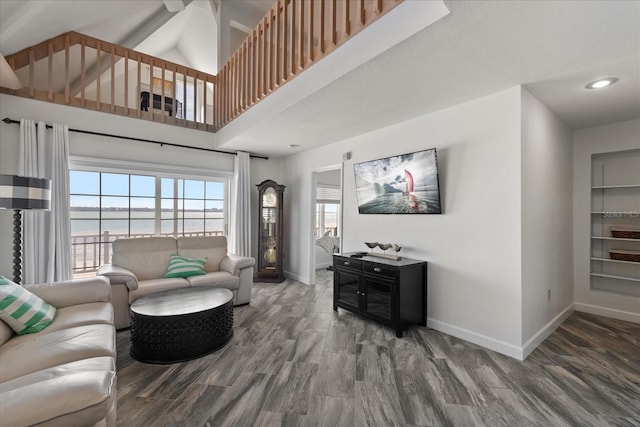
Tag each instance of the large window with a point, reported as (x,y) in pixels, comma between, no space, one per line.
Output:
(106,206)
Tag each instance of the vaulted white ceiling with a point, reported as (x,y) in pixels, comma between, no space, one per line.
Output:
(553,48)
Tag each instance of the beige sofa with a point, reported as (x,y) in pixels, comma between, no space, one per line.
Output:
(138,265)
(64,375)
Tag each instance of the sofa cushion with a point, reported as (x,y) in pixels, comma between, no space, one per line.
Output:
(26,354)
(24,311)
(152,286)
(146,257)
(218,279)
(59,396)
(81,315)
(211,248)
(182,266)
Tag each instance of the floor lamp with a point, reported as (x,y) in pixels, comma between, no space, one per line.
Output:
(18,193)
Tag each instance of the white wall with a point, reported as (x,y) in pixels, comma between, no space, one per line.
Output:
(473,249)
(547,215)
(586,142)
(116,149)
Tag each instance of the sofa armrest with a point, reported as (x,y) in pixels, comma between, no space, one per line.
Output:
(234,263)
(73,292)
(118,275)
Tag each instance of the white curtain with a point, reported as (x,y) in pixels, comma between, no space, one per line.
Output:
(46,236)
(240,235)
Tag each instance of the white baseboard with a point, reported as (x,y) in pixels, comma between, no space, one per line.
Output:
(293,276)
(476,338)
(546,330)
(323,265)
(608,312)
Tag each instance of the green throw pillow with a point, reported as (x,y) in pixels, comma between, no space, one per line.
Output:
(22,310)
(180,266)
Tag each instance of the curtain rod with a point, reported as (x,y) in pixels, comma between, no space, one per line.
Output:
(8,121)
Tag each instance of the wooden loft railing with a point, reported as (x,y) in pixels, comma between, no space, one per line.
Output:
(82,71)
(292,36)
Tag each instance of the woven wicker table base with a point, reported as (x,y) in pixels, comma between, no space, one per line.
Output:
(177,338)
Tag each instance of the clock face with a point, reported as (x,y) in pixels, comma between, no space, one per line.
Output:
(269,198)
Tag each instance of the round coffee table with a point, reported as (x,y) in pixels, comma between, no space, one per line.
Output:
(180,324)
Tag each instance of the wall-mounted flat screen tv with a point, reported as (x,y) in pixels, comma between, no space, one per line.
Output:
(403,184)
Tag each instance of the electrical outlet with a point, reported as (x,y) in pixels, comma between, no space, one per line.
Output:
(548,294)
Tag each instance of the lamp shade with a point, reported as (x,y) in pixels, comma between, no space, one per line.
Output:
(22,192)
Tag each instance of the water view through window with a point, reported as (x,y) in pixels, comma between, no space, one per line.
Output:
(109,206)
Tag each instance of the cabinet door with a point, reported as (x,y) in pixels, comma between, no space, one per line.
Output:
(378,297)
(347,287)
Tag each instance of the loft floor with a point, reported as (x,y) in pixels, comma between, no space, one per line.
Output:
(294,362)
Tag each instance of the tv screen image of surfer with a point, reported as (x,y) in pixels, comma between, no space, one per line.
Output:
(403,184)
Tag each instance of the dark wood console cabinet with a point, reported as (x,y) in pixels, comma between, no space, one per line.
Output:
(391,292)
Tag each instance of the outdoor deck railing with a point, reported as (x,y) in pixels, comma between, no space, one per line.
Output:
(82,71)
(90,251)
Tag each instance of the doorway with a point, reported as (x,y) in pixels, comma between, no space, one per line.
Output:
(327,217)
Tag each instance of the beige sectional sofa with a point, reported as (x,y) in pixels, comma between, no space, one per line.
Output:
(64,375)
(138,265)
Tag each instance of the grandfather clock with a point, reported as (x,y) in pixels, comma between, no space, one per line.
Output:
(270,199)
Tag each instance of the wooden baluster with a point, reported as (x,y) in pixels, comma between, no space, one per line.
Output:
(292,31)
(378,7)
(347,19)
(195,99)
(270,52)
(162,97)
(285,41)
(67,98)
(50,73)
(184,97)
(126,82)
(310,46)
(300,62)
(204,100)
(151,112)
(113,78)
(83,73)
(322,12)
(98,68)
(278,56)
(174,93)
(32,61)
(139,86)
(334,38)
(361,13)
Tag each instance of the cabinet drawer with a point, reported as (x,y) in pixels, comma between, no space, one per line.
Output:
(349,263)
(379,270)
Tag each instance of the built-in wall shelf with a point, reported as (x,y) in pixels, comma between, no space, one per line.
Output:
(611,276)
(615,206)
(605,187)
(619,239)
(615,261)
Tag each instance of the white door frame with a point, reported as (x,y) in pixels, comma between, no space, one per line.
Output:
(314,185)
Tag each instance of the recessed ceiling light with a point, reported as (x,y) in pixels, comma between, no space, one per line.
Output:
(600,83)
(294,145)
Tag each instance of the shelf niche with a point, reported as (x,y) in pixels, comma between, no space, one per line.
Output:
(615,202)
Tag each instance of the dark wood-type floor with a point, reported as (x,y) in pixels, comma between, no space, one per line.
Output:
(294,362)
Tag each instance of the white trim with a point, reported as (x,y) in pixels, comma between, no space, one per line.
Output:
(608,312)
(125,166)
(322,265)
(293,276)
(476,338)
(546,330)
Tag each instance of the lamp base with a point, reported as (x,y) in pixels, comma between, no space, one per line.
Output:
(17,246)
